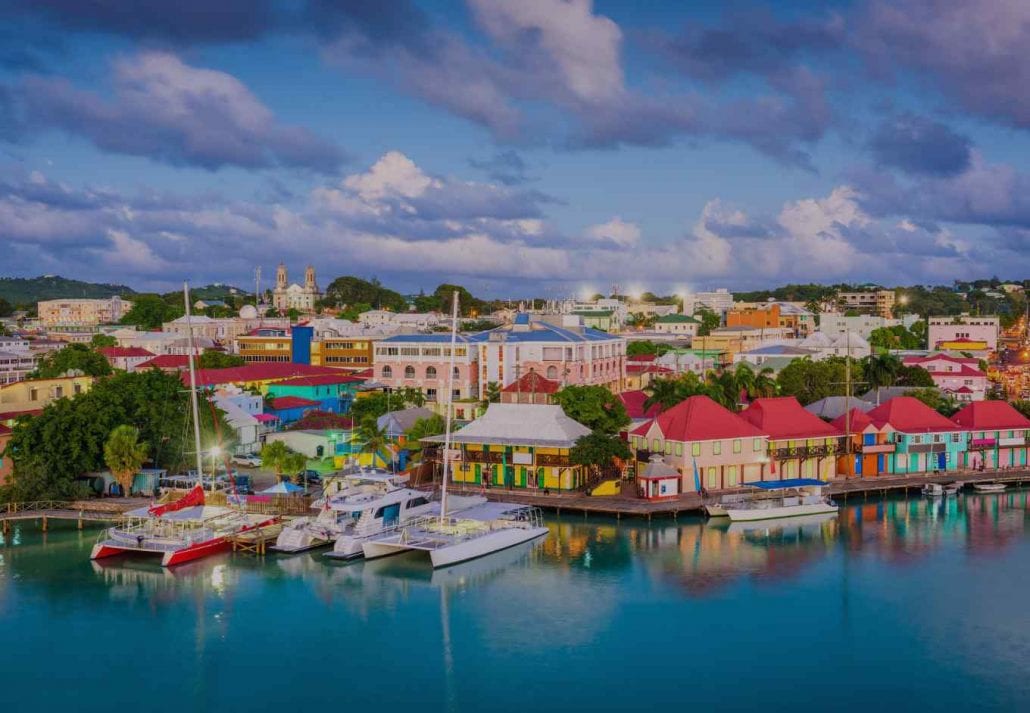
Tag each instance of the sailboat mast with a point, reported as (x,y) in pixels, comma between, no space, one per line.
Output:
(450,409)
(847,388)
(193,384)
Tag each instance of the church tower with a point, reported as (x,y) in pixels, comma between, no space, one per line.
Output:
(309,279)
(280,277)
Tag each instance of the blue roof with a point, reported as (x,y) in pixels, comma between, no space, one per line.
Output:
(522,318)
(789,483)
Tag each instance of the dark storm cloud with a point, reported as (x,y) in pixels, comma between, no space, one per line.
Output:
(919,145)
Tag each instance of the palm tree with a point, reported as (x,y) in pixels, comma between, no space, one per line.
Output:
(666,393)
(721,387)
(124,455)
(745,380)
(765,383)
(491,394)
(882,369)
(371,437)
(273,454)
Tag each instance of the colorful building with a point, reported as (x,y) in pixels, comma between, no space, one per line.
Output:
(879,302)
(872,445)
(705,442)
(168,363)
(959,377)
(999,435)
(266,344)
(333,392)
(35,394)
(925,440)
(517,446)
(801,445)
(420,361)
(941,331)
(258,376)
(68,315)
(798,321)
(530,389)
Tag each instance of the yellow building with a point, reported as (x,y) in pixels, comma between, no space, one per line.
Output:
(517,446)
(265,345)
(74,315)
(36,394)
(345,352)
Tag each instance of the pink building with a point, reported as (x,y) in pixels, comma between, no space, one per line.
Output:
(420,361)
(958,376)
(698,433)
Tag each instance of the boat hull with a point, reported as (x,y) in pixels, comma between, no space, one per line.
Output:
(494,541)
(715,511)
(753,514)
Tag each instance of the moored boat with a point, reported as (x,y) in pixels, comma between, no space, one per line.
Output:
(989,487)
(933,490)
(788,498)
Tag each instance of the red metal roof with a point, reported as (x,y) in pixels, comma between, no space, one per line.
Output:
(990,416)
(700,419)
(281,402)
(4,430)
(166,361)
(642,358)
(634,403)
(859,422)
(321,380)
(646,368)
(364,373)
(917,360)
(910,415)
(783,417)
(272,371)
(115,352)
(532,383)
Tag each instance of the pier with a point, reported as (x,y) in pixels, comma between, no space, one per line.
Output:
(629,505)
(81,511)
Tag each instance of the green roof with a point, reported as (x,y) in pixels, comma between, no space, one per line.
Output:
(676,319)
(591,313)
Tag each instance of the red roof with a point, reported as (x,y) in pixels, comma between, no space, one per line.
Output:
(364,373)
(916,360)
(532,383)
(166,361)
(990,416)
(634,403)
(272,371)
(4,430)
(910,415)
(322,380)
(645,368)
(859,422)
(700,419)
(11,415)
(114,352)
(281,402)
(642,358)
(783,417)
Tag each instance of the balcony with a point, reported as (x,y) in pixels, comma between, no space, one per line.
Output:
(483,457)
(928,448)
(545,459)
(806,451)
(870,448)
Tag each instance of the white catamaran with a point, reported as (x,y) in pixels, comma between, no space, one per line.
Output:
(451,537)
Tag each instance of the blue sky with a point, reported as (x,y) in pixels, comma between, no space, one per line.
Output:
(520,147)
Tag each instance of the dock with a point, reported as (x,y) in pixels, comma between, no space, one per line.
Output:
(629,505)
(255,542)
(81,511)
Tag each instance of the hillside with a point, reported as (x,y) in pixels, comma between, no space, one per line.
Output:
(29,290)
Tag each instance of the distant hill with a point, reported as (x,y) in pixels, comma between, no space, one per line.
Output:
(225,293)
(349,290)
(29,290)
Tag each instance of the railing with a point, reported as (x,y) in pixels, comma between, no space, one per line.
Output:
(877,448)
(483,457)
(84,507)
(547,459)
(806,451)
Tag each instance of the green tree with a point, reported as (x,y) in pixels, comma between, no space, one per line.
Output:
(1022,406)
(74,357)
(424,428)
(354,311)
(99,341)
(646,347)
(945,405)
(881,369)
(124,455)
(214,359)
(372,438)
(598,450)
(709,321)
(376,404)
(915,376)
(809,381)
(595,407)
(280,458)
(491,394)
(295,465)
(6,308)
(349,290)
(151,311)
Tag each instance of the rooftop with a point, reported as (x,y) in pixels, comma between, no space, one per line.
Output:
(166,361)
(532,383)
(273,371)
(115,352)
(520,424)
(783,417)
(910,415)
(676,319)
(284,402)
(321,380)
(700,419)
(634,403)
(990,416)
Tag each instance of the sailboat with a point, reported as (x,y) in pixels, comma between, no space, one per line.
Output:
(185,529)
(479,531)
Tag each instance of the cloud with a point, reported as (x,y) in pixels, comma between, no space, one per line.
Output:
(507,167)
(615,232)
(918,145)
(174,113)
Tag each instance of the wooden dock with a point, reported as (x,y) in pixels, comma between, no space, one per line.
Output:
(628,505)
(81,511)
(255,542)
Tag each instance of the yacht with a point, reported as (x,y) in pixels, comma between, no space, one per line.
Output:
(786,498)
(368,498)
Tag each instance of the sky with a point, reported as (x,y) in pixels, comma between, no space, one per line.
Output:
(519,147)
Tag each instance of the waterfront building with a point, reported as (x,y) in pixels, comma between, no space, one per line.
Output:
(698,435)
(84,315)
(999,435)
(126,358)
(926,441)
(879,302)
(872,444)
(681,325)
(801,445)
(530,389)
(517,446)
(302,298)
(658,480)
(959,377)
(945,333)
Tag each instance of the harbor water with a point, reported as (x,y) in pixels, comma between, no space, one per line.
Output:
(899,603)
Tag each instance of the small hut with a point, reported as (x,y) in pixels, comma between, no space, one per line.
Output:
(658,479)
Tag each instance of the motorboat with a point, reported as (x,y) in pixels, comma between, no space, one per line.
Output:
(933,490)
(373,522)
(717,508)
(181,531)
(784,498)
(369,498)
(479,531)
(952,488)
(989,487)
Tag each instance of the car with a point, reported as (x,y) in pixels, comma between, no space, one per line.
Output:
(311,477)
(250,461)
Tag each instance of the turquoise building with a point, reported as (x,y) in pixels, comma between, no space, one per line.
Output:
(925,441)
(334,393)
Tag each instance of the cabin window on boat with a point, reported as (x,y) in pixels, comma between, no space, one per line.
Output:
(695,449)
(417,502)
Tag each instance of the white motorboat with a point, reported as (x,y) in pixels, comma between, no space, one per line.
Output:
(717,508)
(952,488)
(788,498)
(933,490)
(989,487)
(368,500)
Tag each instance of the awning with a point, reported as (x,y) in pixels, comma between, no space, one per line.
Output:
(789,483)
(265,417)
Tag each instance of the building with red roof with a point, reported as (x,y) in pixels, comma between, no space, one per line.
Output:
(711,446)
(999,435)
(801,445)
(289,409)
(960,377)
(639,374)
(634,402)
(871,445)
(259,375)
(126,358)
(925,440)
(530,388)
(170,363)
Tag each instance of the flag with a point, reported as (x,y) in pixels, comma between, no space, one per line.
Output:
(697,477)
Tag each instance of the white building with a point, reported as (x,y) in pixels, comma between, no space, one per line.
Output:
(861,324)
(394,322)
(720,301)
(941,331)
(241,410)
(15,365)
(826,345)
(81,315)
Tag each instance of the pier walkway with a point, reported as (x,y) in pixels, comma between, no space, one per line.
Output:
(81,511)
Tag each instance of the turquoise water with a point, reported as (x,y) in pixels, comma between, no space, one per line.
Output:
(895,604)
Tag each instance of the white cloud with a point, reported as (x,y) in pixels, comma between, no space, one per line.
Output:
(615,232)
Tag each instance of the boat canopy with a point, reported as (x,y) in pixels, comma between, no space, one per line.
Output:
(789,483)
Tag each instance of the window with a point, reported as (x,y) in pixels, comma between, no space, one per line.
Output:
(430,394)
(736,445)
(656,445)
(757,445)
(695,449)
(552,372)
(409,372)
(668,448)
(456,372)
(679,449)
(33,394)
(416,502)
(716,447)
(430,372)
(387,372)
(954,438)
